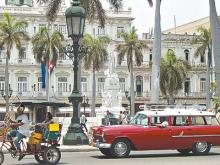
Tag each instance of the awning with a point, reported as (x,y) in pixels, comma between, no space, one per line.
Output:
(42,103)
(70,109)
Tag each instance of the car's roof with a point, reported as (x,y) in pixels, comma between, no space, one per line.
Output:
(176,112)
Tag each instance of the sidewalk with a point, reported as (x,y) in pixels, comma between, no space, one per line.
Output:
(77,148)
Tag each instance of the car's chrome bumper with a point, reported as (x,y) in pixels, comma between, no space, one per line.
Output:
(100,144)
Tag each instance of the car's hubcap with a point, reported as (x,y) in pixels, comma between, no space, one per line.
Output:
(201,146)
(120,148)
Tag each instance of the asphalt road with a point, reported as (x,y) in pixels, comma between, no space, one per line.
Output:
(136,158)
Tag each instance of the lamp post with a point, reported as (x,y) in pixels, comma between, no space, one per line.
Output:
(75,19)
(85,103)
(3,93)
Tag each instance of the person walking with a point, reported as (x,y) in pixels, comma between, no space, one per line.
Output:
(83,121)
(120,118)
(107,118)
(124,118)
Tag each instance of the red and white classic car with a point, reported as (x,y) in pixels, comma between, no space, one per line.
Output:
(186,130)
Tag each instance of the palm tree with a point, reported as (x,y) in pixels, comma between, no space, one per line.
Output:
(131,48)
(205,40)
(155,75)
(173,73)
(96,55)
(93,8)
(11,33)
(215,33)
(46,47)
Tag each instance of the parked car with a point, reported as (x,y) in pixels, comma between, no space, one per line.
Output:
(186,130)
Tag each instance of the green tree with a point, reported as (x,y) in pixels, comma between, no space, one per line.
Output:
(205,40)
(46,47)
(93,8)
(96,55)
(173,73)
(12,32)
(155,88)
(215,33)
(131,49)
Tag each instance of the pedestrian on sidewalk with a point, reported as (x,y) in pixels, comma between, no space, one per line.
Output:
(83,121)
(107,118)
(125,119)
(120,118)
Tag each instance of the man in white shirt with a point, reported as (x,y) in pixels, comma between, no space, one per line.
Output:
(83,121)
(21,125)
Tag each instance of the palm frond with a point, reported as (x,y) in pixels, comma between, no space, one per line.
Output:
(150,2)
(47,45)
(96,53)
(94,9)
(117,4)
(173,73)
(11,32)
(53,9)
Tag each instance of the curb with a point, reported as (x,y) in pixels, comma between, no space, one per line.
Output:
(70,149)
(78,150)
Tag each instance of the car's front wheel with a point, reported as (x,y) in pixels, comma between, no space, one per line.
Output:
(201,148)
(120,148)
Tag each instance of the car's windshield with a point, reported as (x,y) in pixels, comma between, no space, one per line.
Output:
(139,119)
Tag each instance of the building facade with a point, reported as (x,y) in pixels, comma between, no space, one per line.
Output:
(25,73)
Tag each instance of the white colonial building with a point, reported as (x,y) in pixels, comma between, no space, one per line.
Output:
(25,73)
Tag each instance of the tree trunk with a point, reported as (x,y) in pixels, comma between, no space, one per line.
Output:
(93,94)
(215,34)
(208,79)
(155,75)
(132,90)
(7,82)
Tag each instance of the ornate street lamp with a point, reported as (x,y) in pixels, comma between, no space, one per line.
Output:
(85,103)
(3,92)
(75,19)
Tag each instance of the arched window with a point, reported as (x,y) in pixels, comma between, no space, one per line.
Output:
(186,52)
(122,84)
(139,85)
(62,84)
(187,87)
(22,84)
(83,84)
(202,58)
(2,83)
